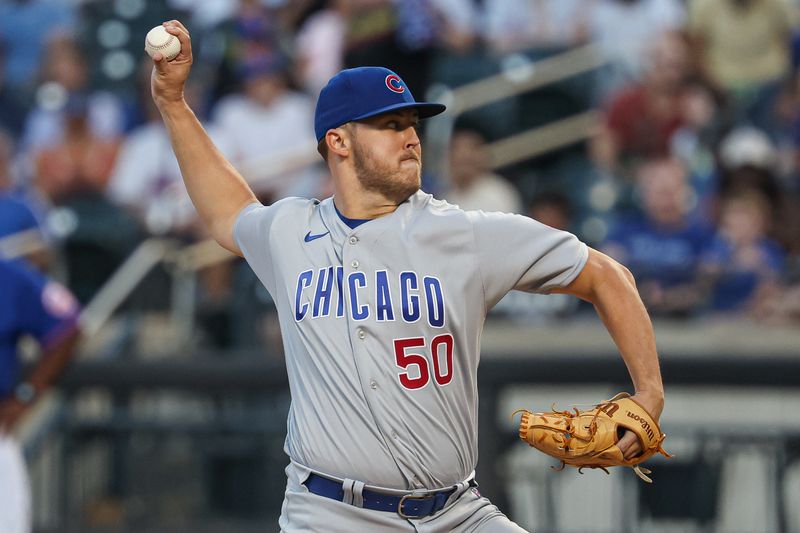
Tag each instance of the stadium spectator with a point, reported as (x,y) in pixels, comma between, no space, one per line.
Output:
(749,160)
(517,25)
(695,142)
(207,14)
(660,243)
(626,30)
(251,30)
(402,36)
(744,46)
(748,157)
(13,107)
(471,183)
(742,260)
(65,82)
(27,27)
(80,162)
(462,25)
(268,119)
(641,119)
(461,56)
(552,208)
(319,44)
(323,39)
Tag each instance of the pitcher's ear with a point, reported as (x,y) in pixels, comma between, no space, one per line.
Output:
(338,141)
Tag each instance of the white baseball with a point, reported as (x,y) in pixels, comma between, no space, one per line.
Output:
(160,40)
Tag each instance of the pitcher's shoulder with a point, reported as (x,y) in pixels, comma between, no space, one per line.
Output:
(292,205)
(427,202)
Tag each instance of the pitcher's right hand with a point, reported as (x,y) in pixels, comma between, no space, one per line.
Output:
(169,77)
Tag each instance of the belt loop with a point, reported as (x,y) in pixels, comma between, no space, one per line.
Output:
(347,487)
(460,488)
(358,496)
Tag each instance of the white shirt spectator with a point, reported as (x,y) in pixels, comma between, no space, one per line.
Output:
(513,25)
(320,49)
(257,132)
(208,13)
(489,193)
(147,179)
(626,30)
(461,15)
(470,181)
(45,125)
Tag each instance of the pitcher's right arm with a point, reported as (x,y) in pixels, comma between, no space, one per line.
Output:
(217,190)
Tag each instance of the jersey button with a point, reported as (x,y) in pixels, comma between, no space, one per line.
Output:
(373,384)
(362,334)
(394,434)
(353,239)
(354,264)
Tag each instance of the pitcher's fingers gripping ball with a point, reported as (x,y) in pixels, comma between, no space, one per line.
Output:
(160,40)
(590,438)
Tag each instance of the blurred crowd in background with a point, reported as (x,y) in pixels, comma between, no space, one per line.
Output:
(692,177)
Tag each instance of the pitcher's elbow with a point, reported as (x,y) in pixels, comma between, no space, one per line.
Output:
(617,273)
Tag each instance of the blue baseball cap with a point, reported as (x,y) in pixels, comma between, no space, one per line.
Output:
(363,92)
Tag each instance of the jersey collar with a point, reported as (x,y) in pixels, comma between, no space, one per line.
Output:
(376,227)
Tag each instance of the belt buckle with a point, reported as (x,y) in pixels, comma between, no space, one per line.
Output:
(410,496)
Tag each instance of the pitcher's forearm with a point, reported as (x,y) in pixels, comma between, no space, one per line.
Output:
(629,325)
(217,190)
(612,289)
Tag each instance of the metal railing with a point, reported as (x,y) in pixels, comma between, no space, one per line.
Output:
(526,76)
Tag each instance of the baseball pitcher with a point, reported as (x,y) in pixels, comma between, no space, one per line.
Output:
(382,292)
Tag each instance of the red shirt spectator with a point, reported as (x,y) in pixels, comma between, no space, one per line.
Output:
(642,123)
(641,118)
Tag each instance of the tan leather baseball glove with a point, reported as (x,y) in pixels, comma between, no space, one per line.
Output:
(588,439)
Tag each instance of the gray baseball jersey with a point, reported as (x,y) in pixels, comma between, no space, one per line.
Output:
(382,324)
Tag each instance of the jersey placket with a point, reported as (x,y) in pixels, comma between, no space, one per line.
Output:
(366,340)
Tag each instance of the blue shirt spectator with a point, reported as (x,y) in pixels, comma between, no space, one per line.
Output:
(662,244)
(669,256)
(737,284)
(25,27)
(742,259)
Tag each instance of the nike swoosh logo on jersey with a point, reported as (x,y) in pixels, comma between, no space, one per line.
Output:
(309,237)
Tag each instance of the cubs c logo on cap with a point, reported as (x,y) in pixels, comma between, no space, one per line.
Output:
(393,83)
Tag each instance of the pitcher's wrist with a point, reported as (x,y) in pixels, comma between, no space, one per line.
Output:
(168,105)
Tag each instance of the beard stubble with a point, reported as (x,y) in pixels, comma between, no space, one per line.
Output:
(377,176)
